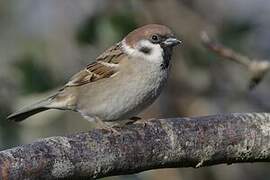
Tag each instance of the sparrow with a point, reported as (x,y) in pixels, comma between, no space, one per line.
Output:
(122,82)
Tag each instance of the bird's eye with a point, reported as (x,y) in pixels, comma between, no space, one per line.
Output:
(155,38)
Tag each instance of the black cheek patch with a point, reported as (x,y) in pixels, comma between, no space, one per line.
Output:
(145,50)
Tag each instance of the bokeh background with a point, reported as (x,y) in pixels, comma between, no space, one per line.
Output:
(43,43)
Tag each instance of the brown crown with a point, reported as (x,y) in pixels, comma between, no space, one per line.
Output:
(145,32)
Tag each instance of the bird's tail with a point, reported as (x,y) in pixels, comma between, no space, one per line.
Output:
(28,111)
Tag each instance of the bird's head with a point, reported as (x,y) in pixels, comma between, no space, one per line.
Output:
(151,42)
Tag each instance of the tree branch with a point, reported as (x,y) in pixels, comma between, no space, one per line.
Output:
(160,143)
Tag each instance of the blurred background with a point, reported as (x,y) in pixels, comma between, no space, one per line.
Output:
(43,43)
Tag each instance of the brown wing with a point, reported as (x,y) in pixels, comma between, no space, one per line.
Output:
(104,67)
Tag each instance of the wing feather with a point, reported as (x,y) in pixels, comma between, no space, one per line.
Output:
(97,70)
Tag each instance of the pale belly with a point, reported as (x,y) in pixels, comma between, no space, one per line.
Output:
(126,98)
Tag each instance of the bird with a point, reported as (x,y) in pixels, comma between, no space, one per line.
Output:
(124,80)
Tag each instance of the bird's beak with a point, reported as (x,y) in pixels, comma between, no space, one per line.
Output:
(172,41)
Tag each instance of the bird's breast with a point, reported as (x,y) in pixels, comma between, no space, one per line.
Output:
(126,94)
(138,90)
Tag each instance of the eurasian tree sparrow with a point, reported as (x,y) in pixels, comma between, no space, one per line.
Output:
(123,81)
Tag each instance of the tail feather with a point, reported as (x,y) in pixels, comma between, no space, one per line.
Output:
(22,115)
(31,110)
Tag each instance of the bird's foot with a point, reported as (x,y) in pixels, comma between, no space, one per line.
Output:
(104,125)
(138,120)
(112,130)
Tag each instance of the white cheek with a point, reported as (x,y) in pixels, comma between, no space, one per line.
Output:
(155,55)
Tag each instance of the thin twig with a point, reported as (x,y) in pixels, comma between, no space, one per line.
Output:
(257,68)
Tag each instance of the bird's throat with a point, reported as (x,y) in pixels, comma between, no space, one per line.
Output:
(167,54)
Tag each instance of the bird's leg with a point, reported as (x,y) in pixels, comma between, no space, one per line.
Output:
(104,125)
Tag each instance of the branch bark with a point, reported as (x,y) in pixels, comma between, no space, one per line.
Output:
(160,143)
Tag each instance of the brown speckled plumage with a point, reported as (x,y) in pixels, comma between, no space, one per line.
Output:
(96,70)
